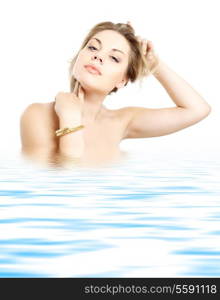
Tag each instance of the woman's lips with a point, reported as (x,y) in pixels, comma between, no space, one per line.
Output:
(92,70)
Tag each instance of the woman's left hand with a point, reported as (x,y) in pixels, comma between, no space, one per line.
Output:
(149,52)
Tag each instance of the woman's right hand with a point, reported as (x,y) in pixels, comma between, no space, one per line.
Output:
(69,104)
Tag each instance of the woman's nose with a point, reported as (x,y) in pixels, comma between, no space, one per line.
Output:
(96,57)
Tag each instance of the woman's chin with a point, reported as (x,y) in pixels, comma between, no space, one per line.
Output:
(89,87)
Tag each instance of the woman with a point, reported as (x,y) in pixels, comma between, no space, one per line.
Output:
(78,128)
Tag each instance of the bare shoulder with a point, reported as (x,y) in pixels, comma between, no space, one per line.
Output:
(31,114)
(129,111)
(125,115)
(42,110)
(32,109)
(37,124)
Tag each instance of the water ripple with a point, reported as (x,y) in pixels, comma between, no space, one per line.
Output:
(148,217)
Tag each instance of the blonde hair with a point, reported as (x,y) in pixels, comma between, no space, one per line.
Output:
(137,66)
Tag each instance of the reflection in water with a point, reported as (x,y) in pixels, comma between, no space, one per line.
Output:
(154,216)
(51,159)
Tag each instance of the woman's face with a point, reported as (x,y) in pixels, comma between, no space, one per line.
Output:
(108,51)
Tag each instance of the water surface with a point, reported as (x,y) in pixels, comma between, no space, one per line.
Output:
(144,217)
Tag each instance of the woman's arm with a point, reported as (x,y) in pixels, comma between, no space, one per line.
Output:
(71,145)
(68,107)
(38,138)
(182,94)
(190,108)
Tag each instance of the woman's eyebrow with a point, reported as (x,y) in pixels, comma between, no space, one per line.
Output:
(112,49)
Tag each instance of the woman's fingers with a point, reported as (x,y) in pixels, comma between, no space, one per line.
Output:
(81,94)
(143,43)
(78,91)
(75,90)
(144,46)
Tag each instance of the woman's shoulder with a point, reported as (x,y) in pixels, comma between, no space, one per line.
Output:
(36,108)
(46,109)
(123,111)
(42,112)
(126,113)
(123,114)
(31,114)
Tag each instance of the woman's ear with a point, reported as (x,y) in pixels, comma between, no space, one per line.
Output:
(121,84)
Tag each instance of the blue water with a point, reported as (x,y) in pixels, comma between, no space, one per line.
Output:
(148,216)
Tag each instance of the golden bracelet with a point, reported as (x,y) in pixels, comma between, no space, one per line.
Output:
(66,130)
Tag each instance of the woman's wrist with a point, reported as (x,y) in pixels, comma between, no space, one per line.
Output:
(72,144)
(157,68)
(70,121)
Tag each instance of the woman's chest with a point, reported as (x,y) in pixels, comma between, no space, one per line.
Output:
(102,139)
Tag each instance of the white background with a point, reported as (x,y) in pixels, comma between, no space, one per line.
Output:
(39,37)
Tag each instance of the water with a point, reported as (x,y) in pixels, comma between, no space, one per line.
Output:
(144,217)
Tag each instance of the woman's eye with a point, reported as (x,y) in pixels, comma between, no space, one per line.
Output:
(90,47)
(114,58)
